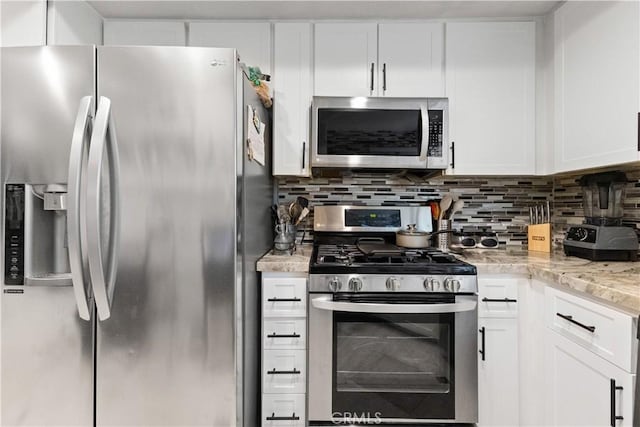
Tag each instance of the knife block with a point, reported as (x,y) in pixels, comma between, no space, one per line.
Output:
(539,237)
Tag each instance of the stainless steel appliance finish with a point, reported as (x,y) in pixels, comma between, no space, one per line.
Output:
(333,218)
(392,333)
(430,128)
(399,282)
(177,323)
(47,350)
(321,355)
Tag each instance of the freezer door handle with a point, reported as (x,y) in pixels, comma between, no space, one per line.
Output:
(78,156)
(103,138)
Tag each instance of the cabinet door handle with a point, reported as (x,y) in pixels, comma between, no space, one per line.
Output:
(482,352)
(274,335)
(294,371)
(569,318)
(384,77)
(613,390)
(284,300)
(371,87)
(273,417)
(304,152)
(453,155)
(498,300)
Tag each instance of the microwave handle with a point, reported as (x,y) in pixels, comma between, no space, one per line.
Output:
(326,303)
(424,118)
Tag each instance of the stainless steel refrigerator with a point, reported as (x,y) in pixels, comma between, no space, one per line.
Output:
(132,221)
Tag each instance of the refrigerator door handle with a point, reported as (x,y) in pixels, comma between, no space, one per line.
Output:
(103,137)
(75,211)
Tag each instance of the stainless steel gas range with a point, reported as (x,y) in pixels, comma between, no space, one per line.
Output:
(392,332)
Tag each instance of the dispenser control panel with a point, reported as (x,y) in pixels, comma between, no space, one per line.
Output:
(14,235)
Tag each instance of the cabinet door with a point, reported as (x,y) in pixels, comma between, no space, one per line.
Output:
(144,33)
(490,83)
(597,84)
(292,99)
(252,40)
(580,388)
(498,373)
(410,59)
(345,59)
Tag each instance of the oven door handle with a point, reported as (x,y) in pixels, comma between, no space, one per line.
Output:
(326,303)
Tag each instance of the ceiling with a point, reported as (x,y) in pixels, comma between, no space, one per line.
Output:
(319,9)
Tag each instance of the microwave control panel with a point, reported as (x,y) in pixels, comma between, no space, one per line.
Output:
(14,235)
(435,133)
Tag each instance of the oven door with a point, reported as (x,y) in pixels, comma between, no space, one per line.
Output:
(370,133)
(392,358)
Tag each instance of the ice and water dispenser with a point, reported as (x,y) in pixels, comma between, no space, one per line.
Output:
(36,235)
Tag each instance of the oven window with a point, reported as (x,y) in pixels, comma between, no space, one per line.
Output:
(369,132)
(397,365)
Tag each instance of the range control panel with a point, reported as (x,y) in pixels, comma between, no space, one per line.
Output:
(435,133)
(14,235)
(582,234)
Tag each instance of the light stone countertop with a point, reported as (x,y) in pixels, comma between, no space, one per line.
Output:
(296,263)
(614,283)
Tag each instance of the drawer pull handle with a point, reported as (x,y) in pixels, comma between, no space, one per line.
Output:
(499,300)
(482,352)
(273,417)
(614,417)
(569,318)
(274,372)
(274,335)
(284,299)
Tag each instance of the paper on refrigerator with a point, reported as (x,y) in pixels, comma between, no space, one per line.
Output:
(255,136)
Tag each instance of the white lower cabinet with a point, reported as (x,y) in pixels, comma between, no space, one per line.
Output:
(498,373)
(498,369)
(283,410)
(584,389)
(284,349)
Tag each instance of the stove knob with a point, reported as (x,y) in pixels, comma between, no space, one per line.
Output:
(355,284)
(451,284)
(431,285)
(392,284)
(448,284)
(335,284)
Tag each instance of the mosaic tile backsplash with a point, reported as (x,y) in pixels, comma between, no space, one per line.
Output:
(494,203)
(500,204)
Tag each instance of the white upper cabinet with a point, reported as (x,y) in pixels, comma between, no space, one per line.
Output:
(144,33)
(410,59)
(389,59)
(291,98)
(252,40)
(345,59)
(597,74)
(490,83)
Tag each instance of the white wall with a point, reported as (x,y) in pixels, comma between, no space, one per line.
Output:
(73,23)
(60,22)
(22,23)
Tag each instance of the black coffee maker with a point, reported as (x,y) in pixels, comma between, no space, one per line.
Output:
(603,237)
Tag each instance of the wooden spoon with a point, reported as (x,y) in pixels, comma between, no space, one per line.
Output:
(445,204)
(457,207)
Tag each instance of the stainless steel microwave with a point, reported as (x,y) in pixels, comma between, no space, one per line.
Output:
(397,133)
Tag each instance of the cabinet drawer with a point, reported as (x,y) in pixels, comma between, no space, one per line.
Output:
(284,297)
(285,333)
(602,330)
(284,371)
(498,297)
(283,410)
